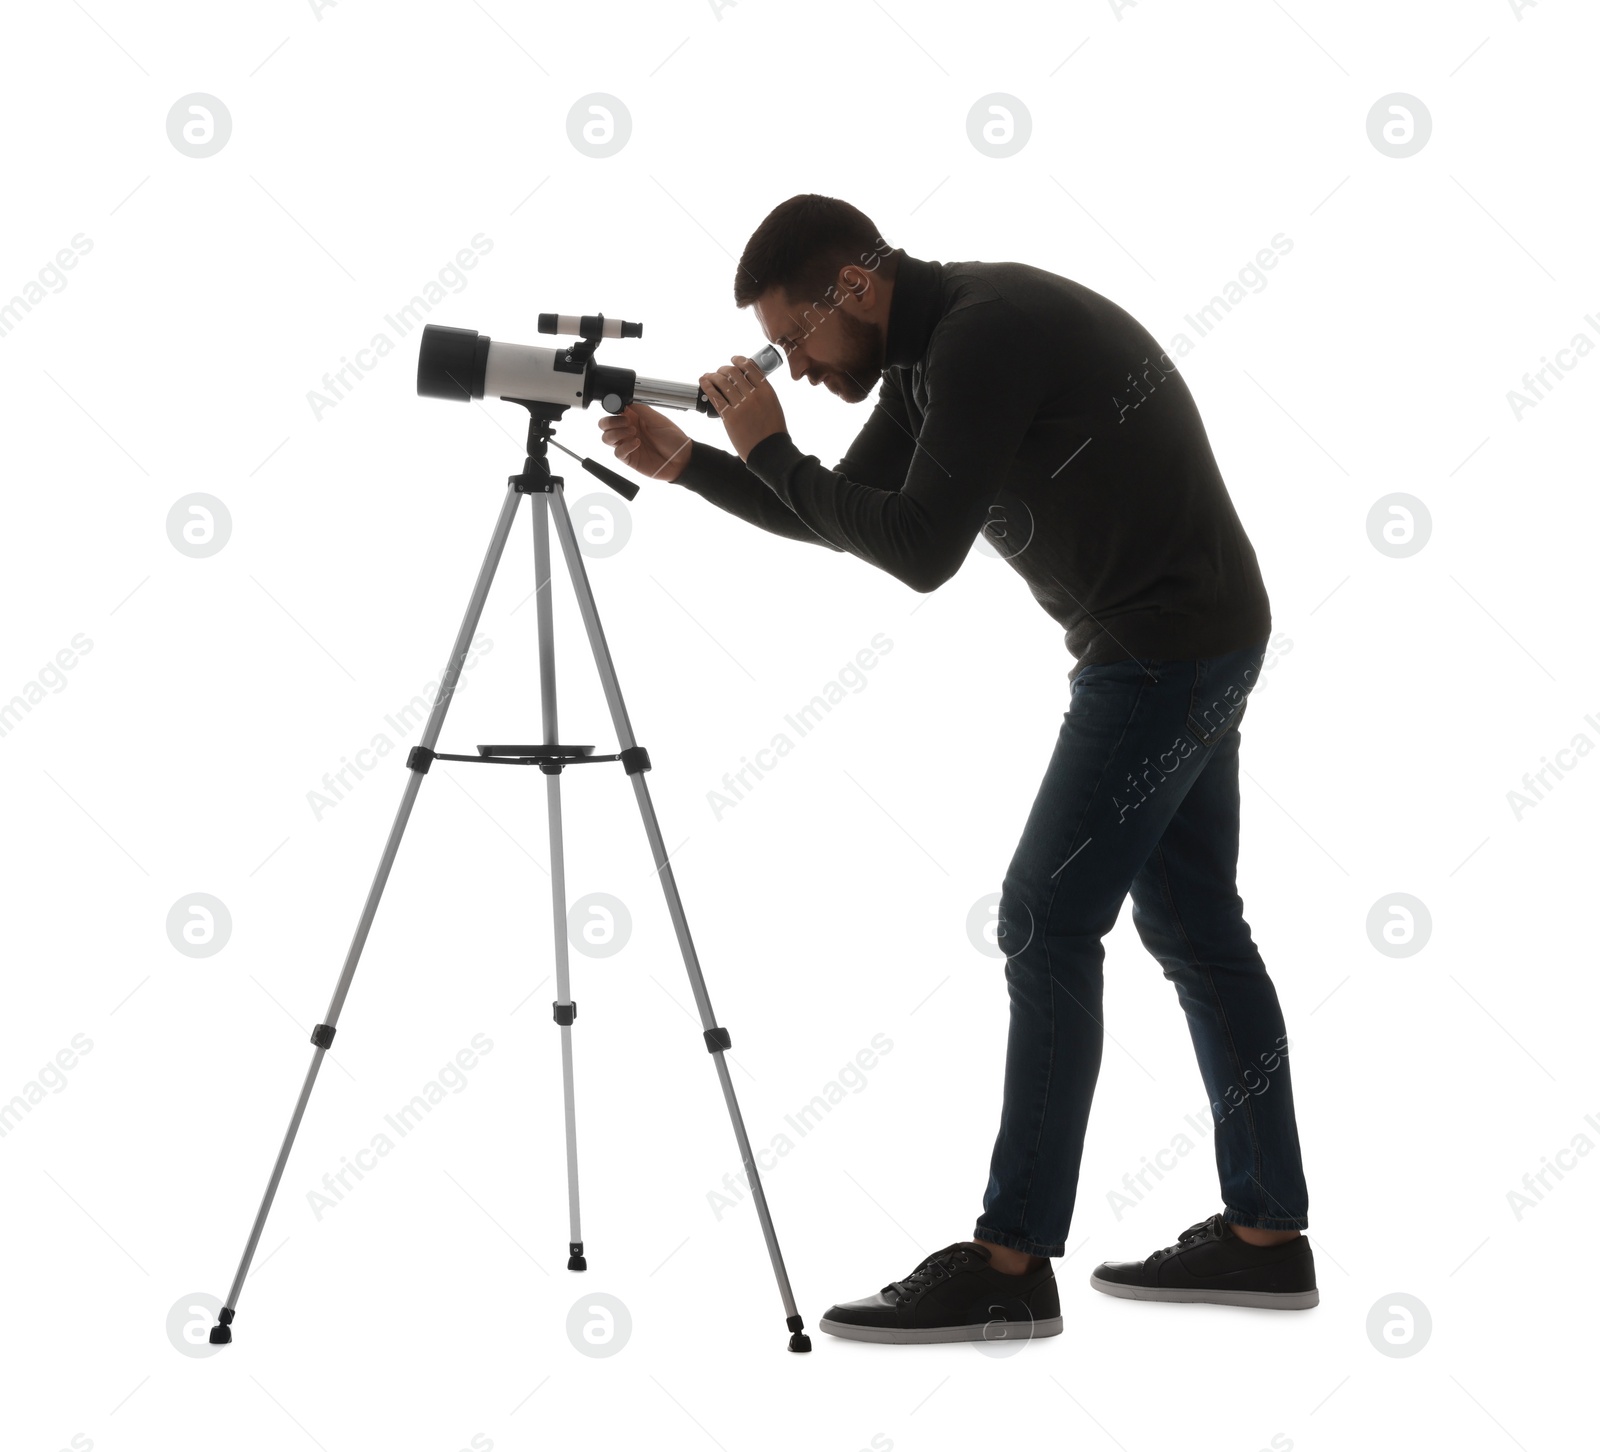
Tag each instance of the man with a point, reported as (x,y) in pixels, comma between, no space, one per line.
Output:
(1023,405)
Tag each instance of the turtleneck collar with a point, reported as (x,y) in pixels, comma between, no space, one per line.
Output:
(913,310)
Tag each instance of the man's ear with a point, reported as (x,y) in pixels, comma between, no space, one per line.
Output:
(855,282)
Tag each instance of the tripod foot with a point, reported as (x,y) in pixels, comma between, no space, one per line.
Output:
(220,1334)
(799,1341)
(575,1260)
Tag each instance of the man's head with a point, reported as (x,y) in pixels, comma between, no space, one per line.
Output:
(820,277)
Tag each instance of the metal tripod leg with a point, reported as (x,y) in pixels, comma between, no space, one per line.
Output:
(565,1009)
(322,1035)
(716,1037)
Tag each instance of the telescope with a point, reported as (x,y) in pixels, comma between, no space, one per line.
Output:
(462,364)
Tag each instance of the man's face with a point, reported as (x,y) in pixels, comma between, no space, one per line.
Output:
(841,345)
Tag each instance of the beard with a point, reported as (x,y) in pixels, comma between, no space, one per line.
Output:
(856,377)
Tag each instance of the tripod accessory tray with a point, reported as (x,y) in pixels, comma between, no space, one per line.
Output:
(549,758)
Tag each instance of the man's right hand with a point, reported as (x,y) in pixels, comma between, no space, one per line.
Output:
(646,441)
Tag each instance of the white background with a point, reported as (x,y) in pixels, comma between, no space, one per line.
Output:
(429,1307)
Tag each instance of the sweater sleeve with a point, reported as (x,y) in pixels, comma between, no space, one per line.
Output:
(920,528)
(721,477)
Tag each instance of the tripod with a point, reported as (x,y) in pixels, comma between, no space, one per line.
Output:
(551,757)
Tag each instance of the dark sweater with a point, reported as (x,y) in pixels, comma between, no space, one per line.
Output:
(1025,405)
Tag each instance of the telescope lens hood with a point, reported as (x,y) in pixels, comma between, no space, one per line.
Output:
(451,363)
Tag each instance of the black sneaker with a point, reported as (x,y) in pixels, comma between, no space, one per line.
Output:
(954,1295)
(1210,1263)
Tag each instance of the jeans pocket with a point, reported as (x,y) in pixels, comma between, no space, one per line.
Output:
(1221,690)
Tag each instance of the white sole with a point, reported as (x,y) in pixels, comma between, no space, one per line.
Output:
(991,1331)
(1260,1300)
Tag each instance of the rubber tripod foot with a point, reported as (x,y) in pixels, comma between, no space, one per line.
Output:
(799,1342)
(220,1334)
(577,1262)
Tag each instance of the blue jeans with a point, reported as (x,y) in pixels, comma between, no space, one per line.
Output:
(1141,795)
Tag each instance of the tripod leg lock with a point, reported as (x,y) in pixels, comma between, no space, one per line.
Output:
(322,1035)
(420,758)
(635,758)
(564,1013)
(718,1039)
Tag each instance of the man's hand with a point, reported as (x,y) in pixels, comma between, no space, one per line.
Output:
(746,403)
(646,441)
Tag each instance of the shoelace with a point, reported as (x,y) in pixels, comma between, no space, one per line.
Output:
(1209,1229)
(935,1268)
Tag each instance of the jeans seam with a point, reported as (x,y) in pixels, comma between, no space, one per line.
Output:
(1194,694)
(1044,1099)
(1016,1242)
(1222,1015)
(1044,942)
(1269,1195)
(1255,1222)
(1201,672)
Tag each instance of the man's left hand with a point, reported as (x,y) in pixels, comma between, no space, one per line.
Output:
(746,403)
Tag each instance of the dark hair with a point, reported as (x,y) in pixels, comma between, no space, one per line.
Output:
(801,245)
